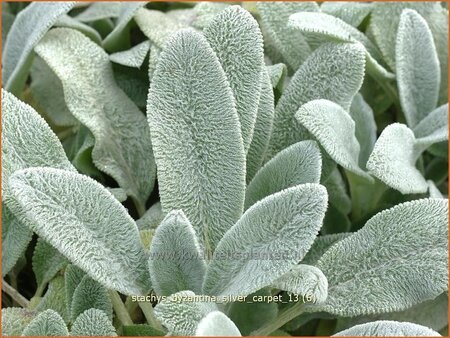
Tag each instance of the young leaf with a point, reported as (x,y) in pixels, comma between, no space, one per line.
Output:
(180,314)
(277,74)
(334,72)
(124,152)
(320,246)
(288,43)
(304,280)
(68,22)
(83,221)
(235,37)
(365,128)
(114,39)
(206,11)
(393,160)
(47,261)
(47,323)
(218,325)
(151,218)
(385,328)
(14,320)
(329,28)
(398,259)
(133,57)
(271,237)
(176,261)
(334,129)
(417,67)
(194,127)
(263,127)
(28,28)
(90,294)
(352,13)
(15,238)
(297,164)
(93,322)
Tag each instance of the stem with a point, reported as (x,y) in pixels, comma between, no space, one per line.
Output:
(284,317)
(14,294)
(147,310)
(140,207)
(119,308)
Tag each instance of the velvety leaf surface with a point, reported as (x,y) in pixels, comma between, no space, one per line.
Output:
(217,324)
(235,37)
(124,152)
(397,260)
(334,129)
(15,238)
(196,138)
(393,160)
(176,261)
(284,223)
(69,22)
(304,280)
(417,66)
(290,47)
(29,27)
(337,192)
(99,11)
(433,128)
(352,13)
(263,127)
(333,72)
(385,328)
(47,323)
(133,57)
(180,315)
(55,298)
(97,233)
(14,320)
(297,164)
(93,322)
(321,245)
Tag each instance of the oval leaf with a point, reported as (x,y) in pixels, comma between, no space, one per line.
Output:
(176,261)
(334,129)
(47,323)
(417,66)
(398,259)
(334,72)
(271,237)
(297,164)
(235,37)
(196,137)
(93,322)
(82,220)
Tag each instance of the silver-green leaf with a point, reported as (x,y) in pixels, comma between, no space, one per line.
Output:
(417,66)
(388,328)
(235,37)
(194,127)
(297,164)
(47,323)
(93,322)
(176,261)
(216,324)
(124,151)
(271,237)
(397,260)
(82,220)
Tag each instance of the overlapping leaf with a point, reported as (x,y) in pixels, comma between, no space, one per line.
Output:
(333,72)
(352,13)
(417,66)
(47,323)
(385,328)
(216,324)
(297,164)
(82,220)
(196,137)
(271,237)
(15,319)
(133,57)
(122,141)
(176,261)
(28,28)
(235,37)
(93,322)
(397,260)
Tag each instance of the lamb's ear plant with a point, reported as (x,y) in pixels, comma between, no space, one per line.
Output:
(222,170)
